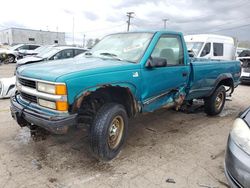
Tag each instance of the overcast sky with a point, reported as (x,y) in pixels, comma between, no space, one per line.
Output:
(96,18)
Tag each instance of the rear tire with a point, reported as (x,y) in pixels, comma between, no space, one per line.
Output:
(109,131)
(215,103)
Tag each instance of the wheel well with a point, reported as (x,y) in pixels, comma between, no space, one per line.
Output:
(91,101)
(11,55)
(227,82)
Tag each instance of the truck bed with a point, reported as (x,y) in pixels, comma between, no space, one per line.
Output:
(205,74)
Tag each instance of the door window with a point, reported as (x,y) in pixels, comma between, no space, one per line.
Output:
(170,48)
(206,49)
(218,49)
(64,54)
(78,51)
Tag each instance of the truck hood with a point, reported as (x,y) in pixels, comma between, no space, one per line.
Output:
(29,60)
(51,70)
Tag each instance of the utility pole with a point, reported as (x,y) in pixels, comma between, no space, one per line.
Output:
(129,15)
(165,22)
(83,42)
(73,31)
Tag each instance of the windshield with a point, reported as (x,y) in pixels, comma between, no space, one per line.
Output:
(42,48)
(15,47)
(245,53)
(195,46)
(122,46)
(48,52)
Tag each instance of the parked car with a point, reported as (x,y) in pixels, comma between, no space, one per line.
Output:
(244,57)
(237,158)
(123,75)
(239,50)
(15,52)
(52,53)
(7,87)
(38,50)
(211,46)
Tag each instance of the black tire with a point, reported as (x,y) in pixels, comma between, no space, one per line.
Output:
(10,59)
(215,103)
(100,132)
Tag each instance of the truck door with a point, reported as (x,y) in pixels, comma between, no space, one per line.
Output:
(162,84)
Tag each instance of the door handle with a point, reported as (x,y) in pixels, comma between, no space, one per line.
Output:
(184,74)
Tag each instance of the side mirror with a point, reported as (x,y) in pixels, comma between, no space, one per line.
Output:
(156,62)
(191,53)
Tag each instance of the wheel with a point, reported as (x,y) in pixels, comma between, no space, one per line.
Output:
(215,103)
(108,131)
(10,59)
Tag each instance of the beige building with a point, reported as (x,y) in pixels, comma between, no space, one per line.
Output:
(28,36)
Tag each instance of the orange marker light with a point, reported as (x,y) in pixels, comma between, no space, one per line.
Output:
(61,90)
(61,106)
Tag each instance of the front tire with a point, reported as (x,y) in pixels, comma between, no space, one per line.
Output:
(10,59)
(215,103)
(108,131)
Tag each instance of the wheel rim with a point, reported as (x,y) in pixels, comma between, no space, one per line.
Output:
(115,132)
(219,100)
(10,59)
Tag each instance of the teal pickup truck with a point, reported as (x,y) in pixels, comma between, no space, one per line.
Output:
(123,75)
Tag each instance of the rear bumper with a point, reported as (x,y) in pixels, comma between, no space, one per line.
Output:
(25,116)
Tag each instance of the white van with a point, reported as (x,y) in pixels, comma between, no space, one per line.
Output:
(211,46)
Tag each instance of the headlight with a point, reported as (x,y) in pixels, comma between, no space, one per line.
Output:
(58,105)
(47,104)
(59,89)
(240,134)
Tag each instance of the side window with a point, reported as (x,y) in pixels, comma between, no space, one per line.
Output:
(56,56)
(170,48)
(206,50)
(64,54)
(218,49)
(69,53)
(77,52)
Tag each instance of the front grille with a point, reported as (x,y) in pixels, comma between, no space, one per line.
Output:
(27,83)
(28,97)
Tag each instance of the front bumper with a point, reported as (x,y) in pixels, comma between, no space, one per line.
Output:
(237,166)
(25,115)
(245,79)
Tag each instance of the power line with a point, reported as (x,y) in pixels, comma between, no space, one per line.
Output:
(232,22)
(232,28)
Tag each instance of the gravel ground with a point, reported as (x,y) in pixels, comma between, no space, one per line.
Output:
(188,149)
